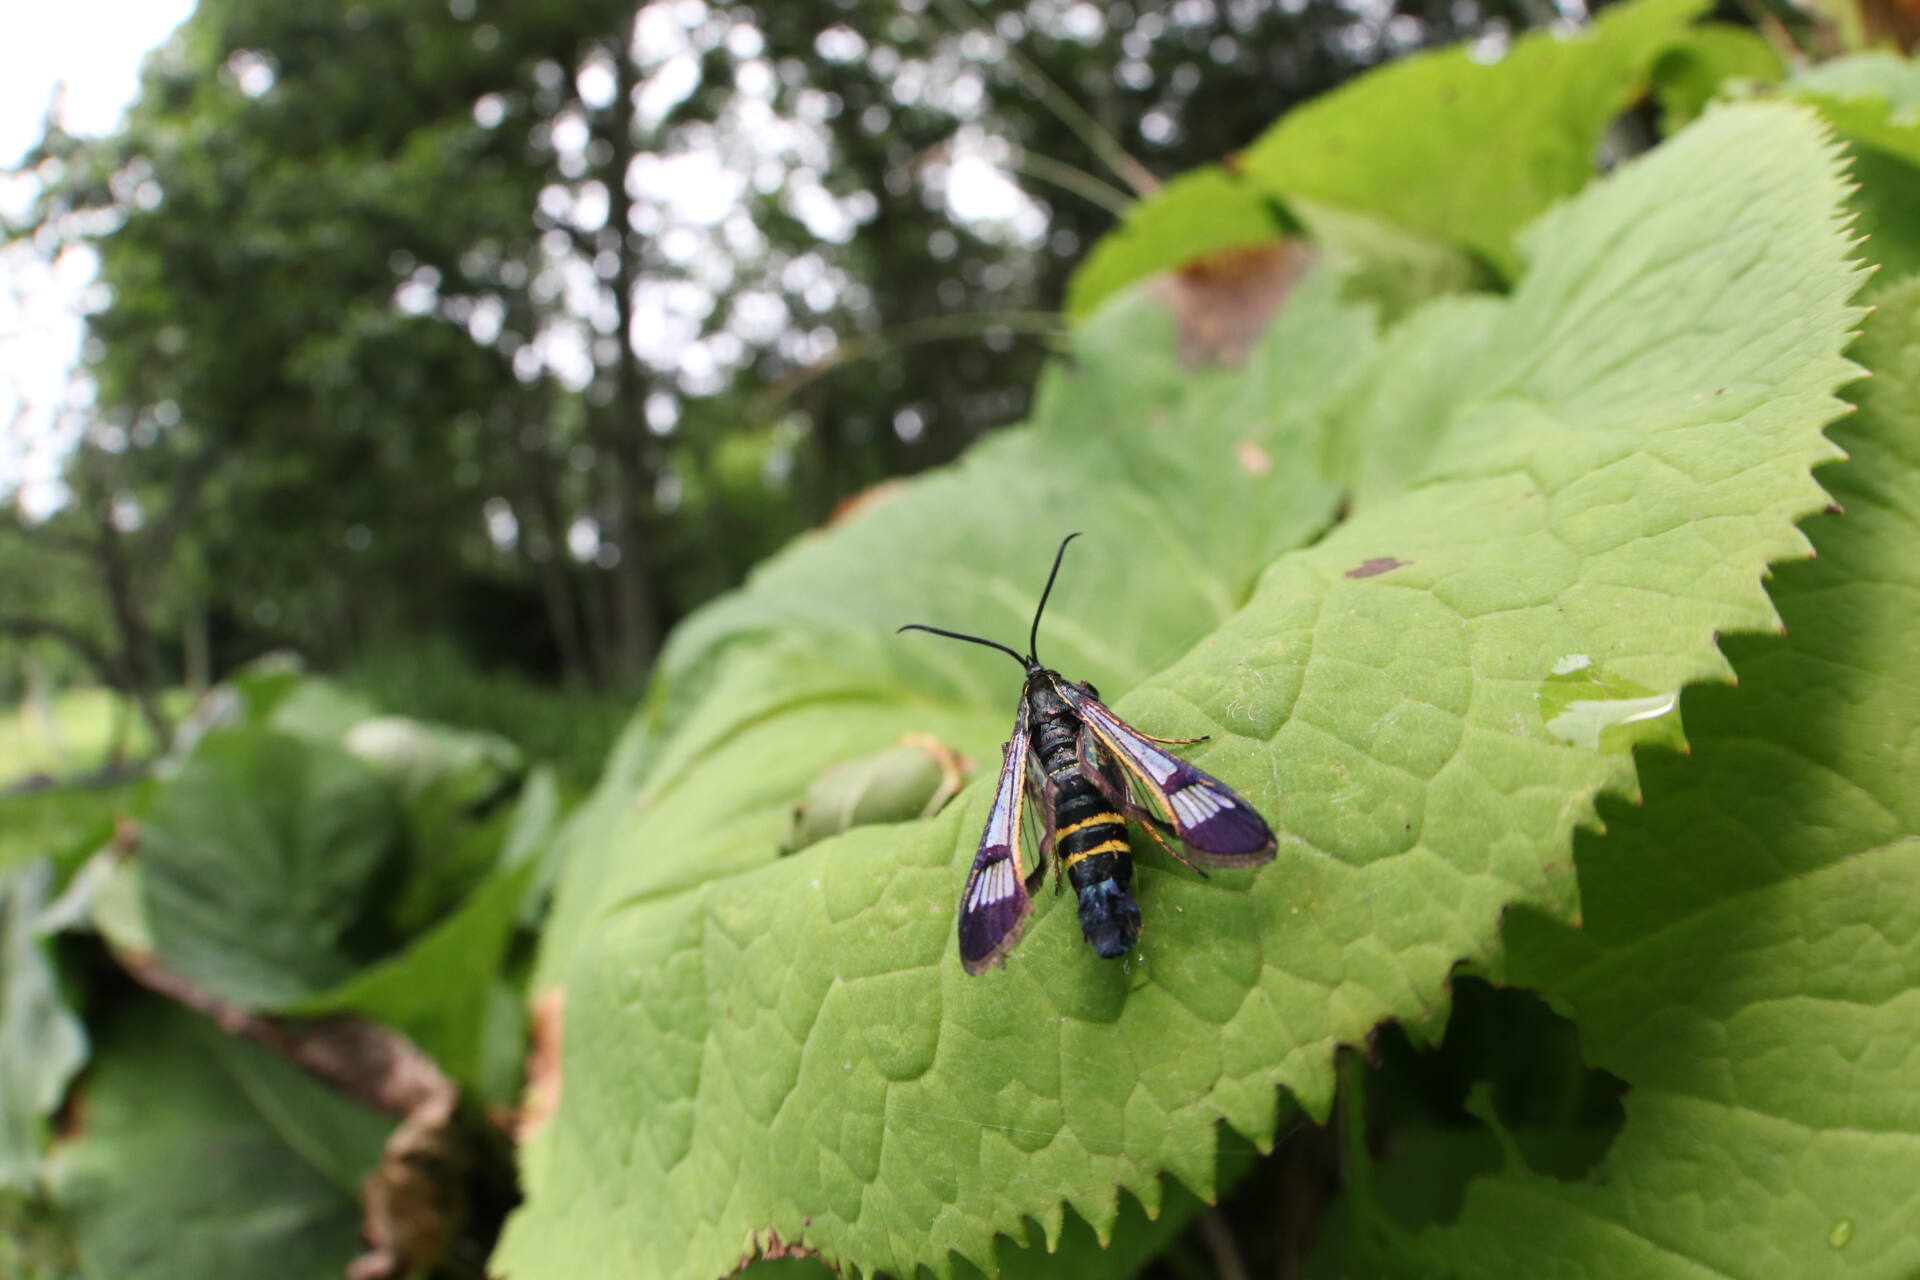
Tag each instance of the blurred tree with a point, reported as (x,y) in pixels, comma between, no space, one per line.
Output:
(289,204)
(449,316)
(87,577)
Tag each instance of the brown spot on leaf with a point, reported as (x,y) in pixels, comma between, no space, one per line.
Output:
(850,507)
(1376,566)
(545,1020)
(1254,460)
(1221,302)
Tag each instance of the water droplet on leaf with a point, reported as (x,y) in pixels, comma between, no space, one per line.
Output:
(1585,705)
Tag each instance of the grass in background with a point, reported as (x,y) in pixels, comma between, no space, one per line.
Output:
(72,732)
(70,735)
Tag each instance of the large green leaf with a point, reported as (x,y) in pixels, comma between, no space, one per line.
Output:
(1467,151)
(439,989)
(1750,962)
(262,865)
(42,1043)
(200,1155)
(760,1044)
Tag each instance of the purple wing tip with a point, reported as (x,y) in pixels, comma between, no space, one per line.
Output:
(988,931)
(1236,837)
(986,937)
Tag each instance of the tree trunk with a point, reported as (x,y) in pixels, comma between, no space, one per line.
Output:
(539,510)
(131,628)
(196,662)
(117,580)
(625,436)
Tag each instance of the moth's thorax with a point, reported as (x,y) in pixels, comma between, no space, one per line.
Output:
(1052,724)
(1043,695)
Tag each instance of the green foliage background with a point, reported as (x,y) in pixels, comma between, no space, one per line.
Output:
(1468,569)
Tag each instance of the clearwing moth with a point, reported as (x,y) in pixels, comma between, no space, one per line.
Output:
(1085,771)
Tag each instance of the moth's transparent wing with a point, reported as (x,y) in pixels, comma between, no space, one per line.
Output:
(1213,820)
(995,904)
(1036,827)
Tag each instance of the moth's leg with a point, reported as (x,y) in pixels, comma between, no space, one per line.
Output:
(1176,742)
(1177,855)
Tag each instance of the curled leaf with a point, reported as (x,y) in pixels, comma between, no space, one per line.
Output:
(913,778)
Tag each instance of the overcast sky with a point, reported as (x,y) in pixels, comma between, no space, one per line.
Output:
(93,48)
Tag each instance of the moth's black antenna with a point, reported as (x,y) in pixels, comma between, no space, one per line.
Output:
(955,635)
(1033,636)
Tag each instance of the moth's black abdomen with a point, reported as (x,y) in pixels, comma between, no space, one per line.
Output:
(1089,834)
(1109,918)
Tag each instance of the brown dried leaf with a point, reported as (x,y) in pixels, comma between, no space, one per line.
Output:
(1221,303)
